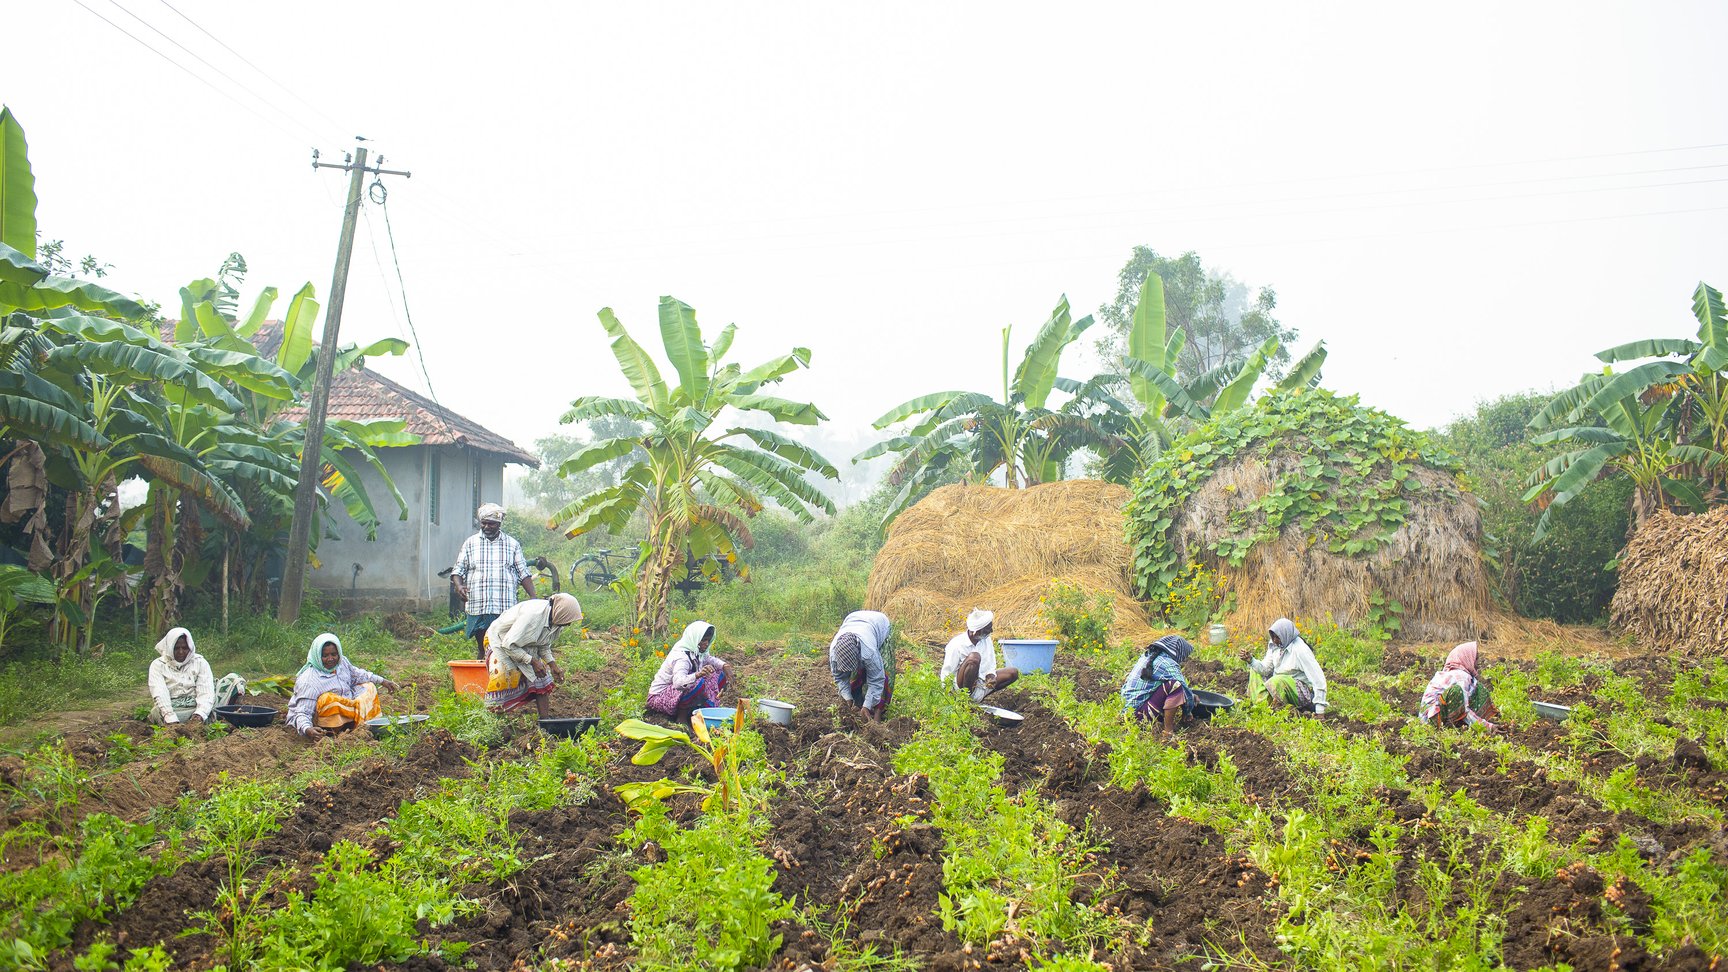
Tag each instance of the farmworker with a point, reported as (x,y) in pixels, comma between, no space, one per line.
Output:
(862,663)
(331,693)
(1156,690)
(487,570)
(970,659)
(520,666)
(690,678)
(1456,695)
(180,685)
(1288,674)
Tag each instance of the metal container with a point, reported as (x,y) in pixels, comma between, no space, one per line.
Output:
(1217,634)
(1552,711)
(1003,716)
(385,726)
(1206,703)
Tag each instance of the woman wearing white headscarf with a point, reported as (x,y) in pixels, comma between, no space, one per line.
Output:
(520,665)
(970,659)
(862,663)
(690,678)
(1288,674)
(180,683)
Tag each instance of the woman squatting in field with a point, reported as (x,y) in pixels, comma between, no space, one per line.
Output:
(1456,695)
(1288,674)
(180,683)
(1156,690)
(862,663)
(690,678)
(332,694)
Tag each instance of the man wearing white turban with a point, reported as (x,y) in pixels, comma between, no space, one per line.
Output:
(487,570)
(970,660)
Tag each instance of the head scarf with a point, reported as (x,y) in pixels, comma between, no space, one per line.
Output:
(869,627)
(978,620)
(1462,658)
(691,640)
(165,648)
(565,610)
(490,511)
(1283,632)
(1176,646)
(843,654)
(315,656)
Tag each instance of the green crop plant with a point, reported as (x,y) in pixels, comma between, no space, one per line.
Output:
(50,776)
(1081,620)
(357,914)
(1011,863)
(237,816)
(79,880)
(100,957)
(465,716)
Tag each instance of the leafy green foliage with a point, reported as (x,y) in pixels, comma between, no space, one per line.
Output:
(1342,474)
(356,914)
(1082,622)
(41,906)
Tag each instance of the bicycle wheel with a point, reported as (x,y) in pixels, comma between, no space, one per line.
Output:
(596,576)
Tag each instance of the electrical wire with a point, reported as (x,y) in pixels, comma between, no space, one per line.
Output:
(247,61)
(402,286)
(226,76)
(195,75)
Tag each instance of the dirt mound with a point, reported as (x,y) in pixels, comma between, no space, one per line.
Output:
(1672,579)
(981,546)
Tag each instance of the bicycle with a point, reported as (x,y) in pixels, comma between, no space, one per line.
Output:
(595,570)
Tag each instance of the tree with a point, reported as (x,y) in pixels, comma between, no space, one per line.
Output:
(1662,423)
(698,485)
(1143,428)
(1020,435)
(550,491)
(1221,320)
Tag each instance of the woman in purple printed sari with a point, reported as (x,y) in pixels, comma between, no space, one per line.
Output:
(690,678)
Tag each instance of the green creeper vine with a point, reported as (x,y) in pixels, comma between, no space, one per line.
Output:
(1344,474)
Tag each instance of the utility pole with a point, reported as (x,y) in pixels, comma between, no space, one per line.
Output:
(311,452)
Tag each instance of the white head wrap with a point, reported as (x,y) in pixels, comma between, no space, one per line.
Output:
(490,511)
(165,648)
(978,620)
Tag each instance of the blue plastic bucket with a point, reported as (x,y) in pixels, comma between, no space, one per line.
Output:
(717,716)
(1029,655)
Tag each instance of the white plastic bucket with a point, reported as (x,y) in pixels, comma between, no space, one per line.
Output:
(778,712)
(1029,655)
(1217,634)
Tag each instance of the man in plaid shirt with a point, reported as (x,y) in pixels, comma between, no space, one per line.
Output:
(487,570)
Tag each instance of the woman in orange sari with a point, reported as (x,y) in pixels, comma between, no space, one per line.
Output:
(332,694)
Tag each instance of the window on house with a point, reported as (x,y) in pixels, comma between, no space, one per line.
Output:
(434,487)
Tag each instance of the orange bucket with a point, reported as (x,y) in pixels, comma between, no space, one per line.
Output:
(469,676)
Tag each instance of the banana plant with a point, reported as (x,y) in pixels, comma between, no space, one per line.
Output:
(1018,434)
(1144,427)
(696,483)
(719,751)
(1663,423)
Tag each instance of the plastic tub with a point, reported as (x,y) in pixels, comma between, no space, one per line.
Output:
(1217,634)
(717,716)
(1029,655)
(248,716)
(468,676)
(385,726)
(568,728)
(1206,703)
(778,712)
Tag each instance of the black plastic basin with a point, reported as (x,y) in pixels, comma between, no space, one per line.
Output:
(249,716)
(568,728)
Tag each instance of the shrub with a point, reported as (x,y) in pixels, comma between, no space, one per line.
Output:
(1082,623)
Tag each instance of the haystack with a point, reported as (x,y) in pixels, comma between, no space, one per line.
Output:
(1432,564)
(1673,592)
(982,546)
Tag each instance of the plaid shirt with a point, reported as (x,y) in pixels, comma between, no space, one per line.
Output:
(492,569)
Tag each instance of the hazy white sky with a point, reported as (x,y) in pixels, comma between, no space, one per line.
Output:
(1463,201)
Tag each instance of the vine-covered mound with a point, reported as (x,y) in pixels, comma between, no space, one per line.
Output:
(1673,579)
(963,547)
(1310,504)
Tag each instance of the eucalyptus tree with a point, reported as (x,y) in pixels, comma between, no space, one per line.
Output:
(1662,423)
(696,482)
(1020,434)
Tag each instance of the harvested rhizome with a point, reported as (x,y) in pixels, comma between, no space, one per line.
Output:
(963,547)
(1673,592)
(1431,565)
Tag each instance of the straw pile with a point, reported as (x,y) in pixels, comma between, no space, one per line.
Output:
(982,546)
(1673,593)
(1432,564)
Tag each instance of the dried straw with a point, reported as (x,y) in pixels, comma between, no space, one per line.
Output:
(1673,593)
(1432,564)
(982,546)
